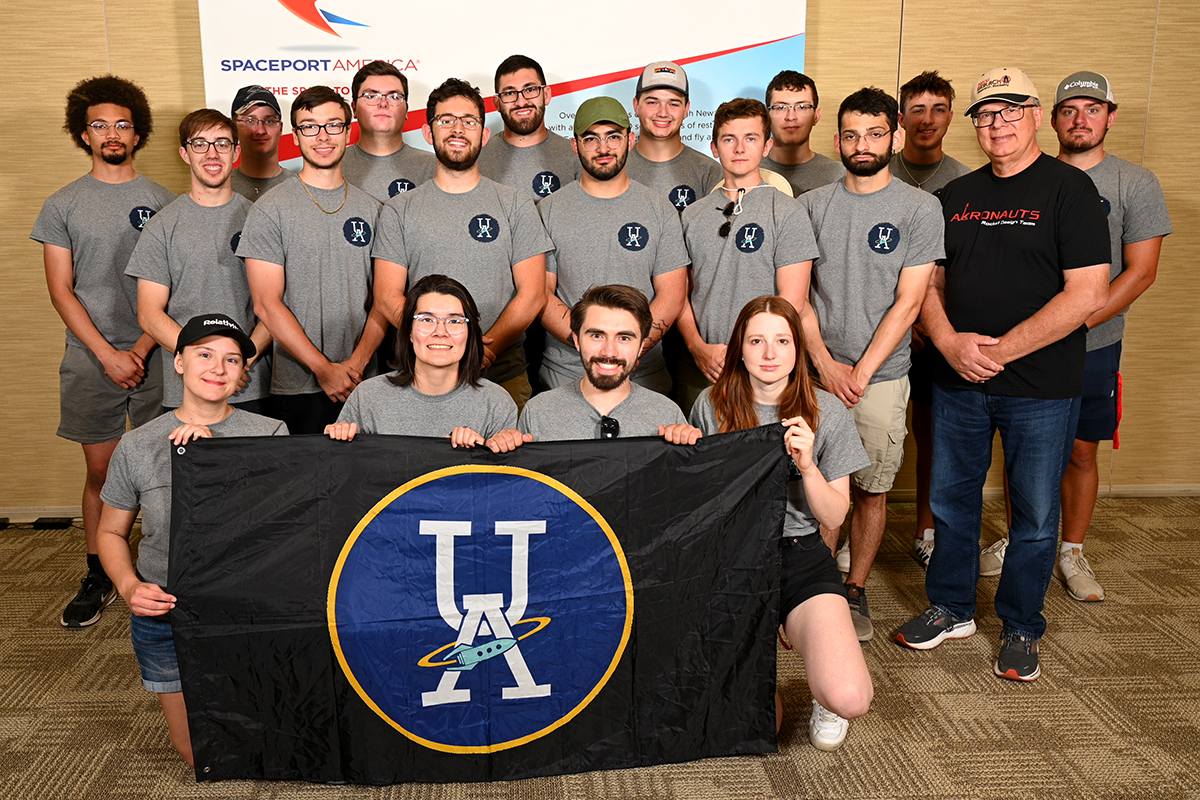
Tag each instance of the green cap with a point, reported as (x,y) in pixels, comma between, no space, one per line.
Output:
(600,109)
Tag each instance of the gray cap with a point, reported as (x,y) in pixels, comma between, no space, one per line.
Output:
(1085,84)
(663,75)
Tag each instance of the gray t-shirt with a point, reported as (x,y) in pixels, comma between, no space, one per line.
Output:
(254,188)
(930,178)
(816,172)
(837,451)
(190,249)
(476,238)
(327,267)
(564,413)
(773,231)
(1137,211)
(865,240)
(99,223)
(537,171)
(384,177)
(629,239)
(380,406)
(139,476)
(683,180)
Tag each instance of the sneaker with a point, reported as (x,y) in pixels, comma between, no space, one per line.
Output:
(826,730)
(923,550)
(1018,659)
(860,615)
(95,593)
(1073,569)
(991,560)
(932,628)
(843,558)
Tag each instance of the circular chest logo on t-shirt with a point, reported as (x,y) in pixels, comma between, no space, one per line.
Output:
(546,183)
(633,236)
(1107,206)
(140,216)
(399,186)
(235,241)
(883,238)
(750,237)
(483,228)
(682,196)
(357,231)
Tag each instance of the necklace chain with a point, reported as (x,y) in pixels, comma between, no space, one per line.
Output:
(920,184)
(345,195)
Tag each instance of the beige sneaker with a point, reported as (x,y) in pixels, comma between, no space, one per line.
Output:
(1073,569)
(991,560)
(843,557)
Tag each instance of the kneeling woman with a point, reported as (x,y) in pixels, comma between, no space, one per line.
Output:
(435,389)
(211,355)
(766,380)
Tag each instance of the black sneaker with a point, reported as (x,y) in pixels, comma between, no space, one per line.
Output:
(932,628)
(860,615)
(1018,659)
(95,593)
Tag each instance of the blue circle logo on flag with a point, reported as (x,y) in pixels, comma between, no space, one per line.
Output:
(357,231)
(546,183)
(400,186)
(884,237)
(478,608)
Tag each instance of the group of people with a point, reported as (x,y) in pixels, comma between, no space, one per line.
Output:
(646,290)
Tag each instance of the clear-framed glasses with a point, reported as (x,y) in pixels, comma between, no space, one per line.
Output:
(200,146)
(612,141)
(101,127)
(986,119)
(332,128)
(254,122)
(469,122)
(784,108)
(528,92)
(373,98)
(851,138)
(456,324)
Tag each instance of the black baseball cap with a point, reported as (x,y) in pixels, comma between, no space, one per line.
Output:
(248,97)
(204,325)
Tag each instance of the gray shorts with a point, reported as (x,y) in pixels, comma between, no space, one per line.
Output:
(93,408)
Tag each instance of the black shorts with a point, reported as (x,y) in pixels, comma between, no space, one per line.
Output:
(807,570)
(1100,410)
(307,413)
(924,366)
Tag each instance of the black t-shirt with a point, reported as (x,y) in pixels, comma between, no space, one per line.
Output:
(1008,243)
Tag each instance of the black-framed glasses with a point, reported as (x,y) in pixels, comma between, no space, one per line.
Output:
(784,108)
(311,129)
(469,122)
(612,141)
(255,122)
(528,92)
(986,119)
(609,427)
(101,127)
(200,146)
(373,98)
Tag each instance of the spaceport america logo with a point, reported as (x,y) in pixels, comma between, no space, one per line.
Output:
(307,10)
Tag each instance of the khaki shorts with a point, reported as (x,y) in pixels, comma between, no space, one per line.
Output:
(92,409)
(519,390)
(879,417)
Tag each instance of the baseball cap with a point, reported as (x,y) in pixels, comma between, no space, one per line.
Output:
(1002,83)
(1085,84)
(600,109)
(254,95)
(215,325)
(663,75)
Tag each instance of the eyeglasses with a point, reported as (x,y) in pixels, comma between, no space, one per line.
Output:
(784,108)
(871,137)
(609,428)
(332,128)
(469,121)
(373,98)
(200,146)
(255,122)
(102,127)
(456,324)
(986,119)
(528,92)
(611,142)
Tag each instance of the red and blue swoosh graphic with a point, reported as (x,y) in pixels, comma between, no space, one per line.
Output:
(307,10)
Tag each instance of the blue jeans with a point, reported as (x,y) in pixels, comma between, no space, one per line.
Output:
(1036,436)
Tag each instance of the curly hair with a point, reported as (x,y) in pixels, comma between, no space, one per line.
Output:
(107,89)
(452,87)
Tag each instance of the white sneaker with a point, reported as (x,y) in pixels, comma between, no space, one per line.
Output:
(826,730)
(1073,569)
(923,548)
(991,560)
(843,557)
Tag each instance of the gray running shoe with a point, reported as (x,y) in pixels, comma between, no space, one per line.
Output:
(932,628)
(1018,659)
(860,615)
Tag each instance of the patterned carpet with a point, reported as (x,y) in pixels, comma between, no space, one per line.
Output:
(1116,713)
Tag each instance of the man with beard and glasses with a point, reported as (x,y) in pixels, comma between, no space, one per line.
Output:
(260,124)
(380,164)
(307,247)
(608,229)
(185,261)
(795,109)
(608,327)
(878,239)
(486,236)
(87,229)
(526,156)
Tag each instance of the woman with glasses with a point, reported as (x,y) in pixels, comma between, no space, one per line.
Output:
(436,388)
(765,380)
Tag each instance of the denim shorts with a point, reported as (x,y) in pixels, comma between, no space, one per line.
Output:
(154,646)
(808,569)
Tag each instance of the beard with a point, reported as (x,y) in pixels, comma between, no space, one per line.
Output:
(605,173)
(526,126)
(1074,144)
(457,160)
(606,383)
(115,157)
(865,169)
